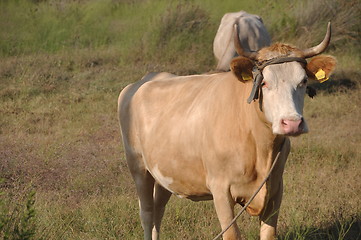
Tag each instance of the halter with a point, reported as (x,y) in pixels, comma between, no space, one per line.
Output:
(258,76)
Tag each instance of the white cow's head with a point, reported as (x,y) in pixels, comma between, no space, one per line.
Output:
(282,81)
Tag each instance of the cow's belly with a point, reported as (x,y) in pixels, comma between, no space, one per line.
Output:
(185,179)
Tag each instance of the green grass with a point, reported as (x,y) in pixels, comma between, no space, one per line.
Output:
(62,66)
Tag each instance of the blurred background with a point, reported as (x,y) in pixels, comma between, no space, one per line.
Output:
(62,65)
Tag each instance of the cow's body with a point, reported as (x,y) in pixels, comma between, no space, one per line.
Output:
(252,34)
(197,137)
(205,124)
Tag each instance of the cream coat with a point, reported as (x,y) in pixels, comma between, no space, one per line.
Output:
(196,137)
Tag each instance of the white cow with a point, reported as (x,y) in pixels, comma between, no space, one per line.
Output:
(252,34)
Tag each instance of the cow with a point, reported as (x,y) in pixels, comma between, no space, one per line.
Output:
(252,34)
(199,138)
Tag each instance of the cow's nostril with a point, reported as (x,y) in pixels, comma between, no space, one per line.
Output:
(292,126)
(302,124)
(285,122)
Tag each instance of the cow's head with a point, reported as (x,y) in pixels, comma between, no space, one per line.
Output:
(280,74)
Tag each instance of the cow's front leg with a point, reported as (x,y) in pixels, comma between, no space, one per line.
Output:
(269,216)
(224,205)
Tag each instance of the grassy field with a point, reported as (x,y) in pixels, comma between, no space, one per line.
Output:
(62,65)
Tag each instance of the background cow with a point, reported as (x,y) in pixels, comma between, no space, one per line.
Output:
(198,138)
(252,34)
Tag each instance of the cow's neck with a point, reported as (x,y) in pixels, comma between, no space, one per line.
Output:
(266,142)
(252,122)
(261,149)
(269,143)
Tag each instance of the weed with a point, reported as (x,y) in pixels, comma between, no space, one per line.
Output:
(18,222)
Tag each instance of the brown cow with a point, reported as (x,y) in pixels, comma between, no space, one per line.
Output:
(198,138)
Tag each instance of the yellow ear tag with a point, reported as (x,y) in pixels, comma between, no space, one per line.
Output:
(246,77)
(321,76)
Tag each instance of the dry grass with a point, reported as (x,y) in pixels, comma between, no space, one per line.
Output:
(344,16)
(59,136)
(304,23)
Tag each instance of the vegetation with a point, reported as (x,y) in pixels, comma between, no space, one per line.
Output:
(19,222)
(62,66)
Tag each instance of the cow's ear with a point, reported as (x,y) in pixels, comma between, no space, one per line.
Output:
(321,67)
(242,68)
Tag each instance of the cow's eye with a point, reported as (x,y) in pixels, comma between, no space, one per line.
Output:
(263,84)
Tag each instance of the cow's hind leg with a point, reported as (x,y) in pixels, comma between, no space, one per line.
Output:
(161,197)
(145,185)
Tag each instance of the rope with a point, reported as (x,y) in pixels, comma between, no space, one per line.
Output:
(279,60)
(254,195)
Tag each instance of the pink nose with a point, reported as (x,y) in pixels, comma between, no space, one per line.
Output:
(292,127)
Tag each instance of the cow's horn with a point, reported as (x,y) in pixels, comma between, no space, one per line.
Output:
(239,48)
(307,53)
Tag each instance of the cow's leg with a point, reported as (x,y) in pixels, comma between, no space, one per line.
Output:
(161,197)
(144,184)
(224,205)
(269,217)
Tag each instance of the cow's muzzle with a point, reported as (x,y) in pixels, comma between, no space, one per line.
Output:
(293,127)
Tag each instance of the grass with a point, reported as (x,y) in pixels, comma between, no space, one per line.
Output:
(62,66)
